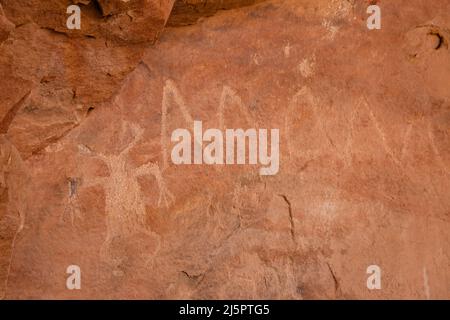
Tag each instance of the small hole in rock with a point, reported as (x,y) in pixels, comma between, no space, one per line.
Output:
(439,40)
(89,110)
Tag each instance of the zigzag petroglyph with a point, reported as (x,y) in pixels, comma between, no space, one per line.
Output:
(305,96)
(225,146)
(171,90)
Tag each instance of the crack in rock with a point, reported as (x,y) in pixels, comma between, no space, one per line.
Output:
(291,218)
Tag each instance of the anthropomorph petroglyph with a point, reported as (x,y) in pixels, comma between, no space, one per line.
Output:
(125,207)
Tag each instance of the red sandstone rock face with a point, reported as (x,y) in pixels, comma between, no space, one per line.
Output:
(120,21)
(65,73)
(186,12)
(364,119)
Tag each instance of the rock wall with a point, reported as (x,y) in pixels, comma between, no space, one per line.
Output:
(86,176)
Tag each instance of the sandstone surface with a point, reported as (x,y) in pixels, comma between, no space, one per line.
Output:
(86,177)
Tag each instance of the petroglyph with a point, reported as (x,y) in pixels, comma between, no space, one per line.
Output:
(72,207)
(306,67)
(229,93)
(166,198)
(10,165)
(381,133)
(406,139)
(331,29)
(125,207)
(435,149)
(171,90)
(304,94)
(304,98)
(287,50)
(350,136)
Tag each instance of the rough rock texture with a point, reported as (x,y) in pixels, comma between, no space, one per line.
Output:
(364,119)
(117,20)
(186,12)
(64,73)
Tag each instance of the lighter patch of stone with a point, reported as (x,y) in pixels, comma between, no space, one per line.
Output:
(307,66)
(287,50)
(332,30)
(426,284)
